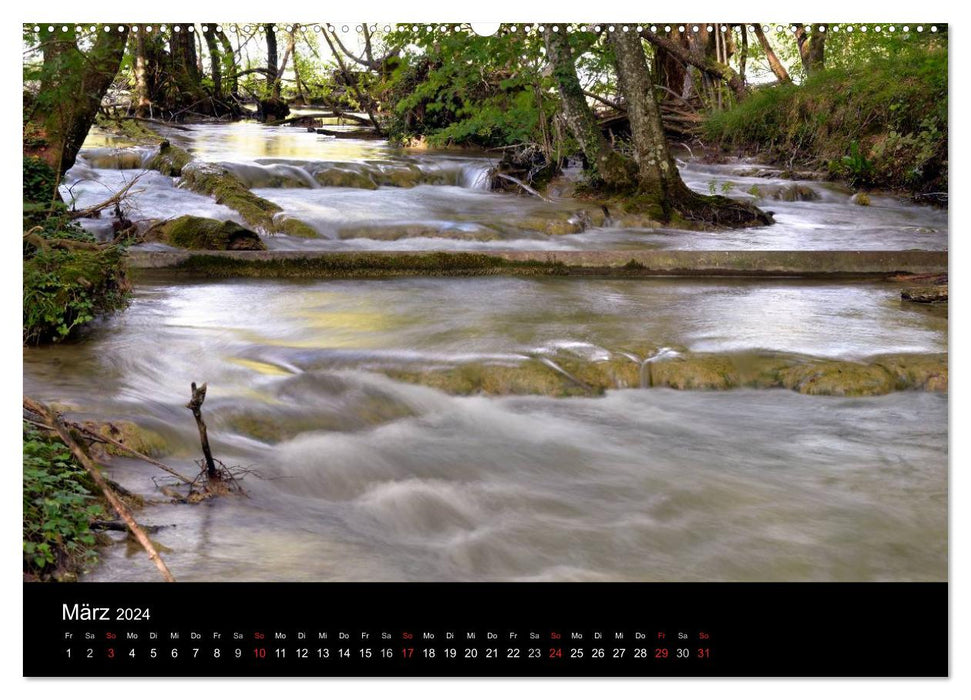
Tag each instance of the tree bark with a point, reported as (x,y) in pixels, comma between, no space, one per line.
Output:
(271,58)
(607,167)
(707,66)
(143,93)
(774,63)
(661,191)
(658,176)
(812,48)
(195,405)
(73,84)
(215,61)
(230,57)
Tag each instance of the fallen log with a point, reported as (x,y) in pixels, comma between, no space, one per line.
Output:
(350,134)
(52,419)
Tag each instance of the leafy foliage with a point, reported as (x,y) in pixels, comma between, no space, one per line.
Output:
(64,289)
(457,87)
(58,508)
(40,180)
(882,123)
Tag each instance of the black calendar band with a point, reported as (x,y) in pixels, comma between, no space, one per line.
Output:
(486,629)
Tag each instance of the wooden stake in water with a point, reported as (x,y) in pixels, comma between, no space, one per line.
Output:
(195,405)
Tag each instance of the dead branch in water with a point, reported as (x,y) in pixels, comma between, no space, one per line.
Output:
(111,201)
(523,185)
(195,405)
(91,467)
(135,453)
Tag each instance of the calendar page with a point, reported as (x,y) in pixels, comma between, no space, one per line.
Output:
(491,350)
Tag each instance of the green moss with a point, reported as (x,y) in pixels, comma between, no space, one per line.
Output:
(170,160)
(698,372)
(130,434)
(836,378)
(217,182)
(132,129)
(294,227)
(345,177)
(444,264)
(707,372)
(197,233)
(927,372)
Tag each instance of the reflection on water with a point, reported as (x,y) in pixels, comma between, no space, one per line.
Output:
(366,478)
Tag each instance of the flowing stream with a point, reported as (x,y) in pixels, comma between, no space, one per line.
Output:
(393,199)
(365,477)
(368,478)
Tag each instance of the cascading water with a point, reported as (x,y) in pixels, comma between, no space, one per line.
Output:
(368,477)
(367,195)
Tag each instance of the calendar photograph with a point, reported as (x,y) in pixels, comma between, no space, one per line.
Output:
(577,303)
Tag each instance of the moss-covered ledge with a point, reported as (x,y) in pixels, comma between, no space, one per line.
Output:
(686,263)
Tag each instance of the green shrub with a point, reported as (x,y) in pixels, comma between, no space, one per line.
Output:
(64,289)
(882,123)
(40,181)
(58,508)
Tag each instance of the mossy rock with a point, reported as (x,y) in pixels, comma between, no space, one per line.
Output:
(197,233)
(628,220)
(345,177)
(555,223)
(618,372)
(170,160)
(760,371)
(217,182)
(930,294)
(530,377)
(794,193)
(294,227)
(115,159)
(839,378)
(395,232)
(698,372)
(143,440)
(926,372)
(861,199)
(400,176)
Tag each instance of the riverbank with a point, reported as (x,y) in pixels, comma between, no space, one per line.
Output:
(882,124)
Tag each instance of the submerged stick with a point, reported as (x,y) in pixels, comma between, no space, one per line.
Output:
(135,453)
(523,185)
(195,405)
(92,468)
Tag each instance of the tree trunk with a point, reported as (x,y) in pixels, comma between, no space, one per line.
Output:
(774,63)
(706,65)
(271,58)
(215,61)
(73,84)
(743,54)
(661,191)
(278,83)
(657,174)
(812,48)
(230,58)
(143,93)
(607,167)
(671,72)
